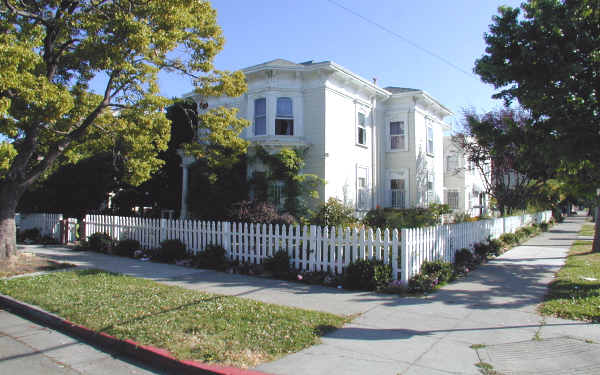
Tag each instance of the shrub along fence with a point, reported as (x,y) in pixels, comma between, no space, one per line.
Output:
(48,224)
(314,248)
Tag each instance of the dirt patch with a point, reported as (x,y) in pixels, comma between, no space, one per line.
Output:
(23,263)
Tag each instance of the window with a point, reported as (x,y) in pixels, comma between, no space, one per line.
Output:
(398,192)
(260,116)
(284,119)
(397,135)
(362,188)
(276,194)
(361,128)
(430,140)
(452,199)
(429,193)
(451,163)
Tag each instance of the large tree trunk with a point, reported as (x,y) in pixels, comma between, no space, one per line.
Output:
(596,246)
(9,196)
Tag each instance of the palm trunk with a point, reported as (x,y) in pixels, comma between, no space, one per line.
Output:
(9,196)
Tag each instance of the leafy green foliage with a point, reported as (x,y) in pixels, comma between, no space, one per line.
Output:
(170,251)
(100,242)
(278,264)
(126,248)
(50,52)
(213,257)
(259,212)
(300,190)
(334,213)
(463,260)
(443,271)
(405,218)
(422,283)
(367,274)
(524,48)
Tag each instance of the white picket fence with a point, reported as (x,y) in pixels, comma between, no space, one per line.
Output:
(314,248)
(48,224)
(443,241)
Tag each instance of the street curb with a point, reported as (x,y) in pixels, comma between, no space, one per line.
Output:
(154,357)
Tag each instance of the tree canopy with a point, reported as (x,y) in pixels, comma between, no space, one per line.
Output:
(546,56)
(53,52)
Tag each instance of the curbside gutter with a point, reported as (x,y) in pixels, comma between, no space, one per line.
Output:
(157,358)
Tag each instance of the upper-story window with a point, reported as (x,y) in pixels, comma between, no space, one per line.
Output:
(361,129)
(260,116)
(397,135)
(451,163)
(284,119)
(430,140)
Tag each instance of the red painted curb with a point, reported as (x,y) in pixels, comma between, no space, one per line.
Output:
(154,357)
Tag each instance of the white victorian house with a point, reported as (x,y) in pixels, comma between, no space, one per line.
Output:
(374,146)
(464,183)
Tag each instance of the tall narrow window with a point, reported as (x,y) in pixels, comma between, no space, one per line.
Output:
(397,135)
(361,130)
(430,140)
(452,199)
(362,188)
(284,120)
(451,163)
(260,116)
(398,193)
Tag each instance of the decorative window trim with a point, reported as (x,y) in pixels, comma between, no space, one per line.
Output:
(255,117)
(363,204)
(360,127)
(429,137)
(404,146)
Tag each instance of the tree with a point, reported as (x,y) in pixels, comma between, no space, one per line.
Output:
(496,144)
(51,50)
(548,58)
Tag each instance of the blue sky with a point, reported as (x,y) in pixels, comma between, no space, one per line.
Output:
(262,30)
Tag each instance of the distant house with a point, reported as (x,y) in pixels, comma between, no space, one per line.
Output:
(464,183)
(372,145)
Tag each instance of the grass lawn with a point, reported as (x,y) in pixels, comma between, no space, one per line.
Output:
(190,324)
(587,230)
(571,296)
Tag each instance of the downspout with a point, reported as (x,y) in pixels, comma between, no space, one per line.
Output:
(374,153)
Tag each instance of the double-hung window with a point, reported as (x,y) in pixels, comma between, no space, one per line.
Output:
(284,119)
(398,193)
(362,188)
(397,135)
(260,116)
(430,140)
(361,129)
(452,199)
(451,163)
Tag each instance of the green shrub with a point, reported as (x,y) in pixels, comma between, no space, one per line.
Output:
(422,283)
(544,227)
(100,242)
(375,218)
(495,247)
(213,257)
(278,264)
(170,251)
(334,213)
(443,271)
(509,238)
(34,235)
(463,259)
(481,249)
(126,248)
(366,274)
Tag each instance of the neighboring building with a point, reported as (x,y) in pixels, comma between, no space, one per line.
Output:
(464,183)
(372,145)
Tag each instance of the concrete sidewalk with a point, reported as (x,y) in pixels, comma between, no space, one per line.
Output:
(27,348)
(488,317)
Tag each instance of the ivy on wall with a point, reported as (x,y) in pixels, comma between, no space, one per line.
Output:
(300,189)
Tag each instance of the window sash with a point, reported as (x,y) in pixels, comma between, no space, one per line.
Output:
(430,140)
(260,116)
(284,108)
